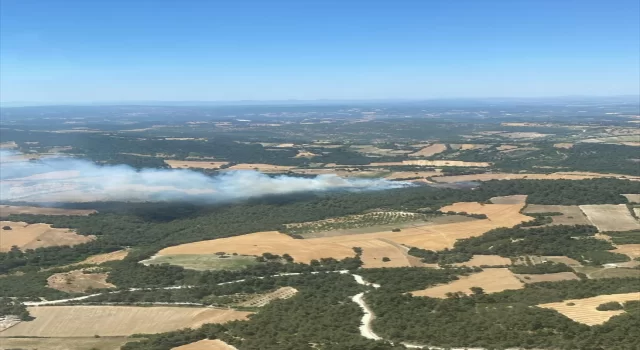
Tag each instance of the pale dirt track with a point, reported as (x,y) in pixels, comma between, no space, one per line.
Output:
(207,344)
(491,280)
(375,245)
(32,236)
(87,321)
(584,310)
(6,210)
(610,217)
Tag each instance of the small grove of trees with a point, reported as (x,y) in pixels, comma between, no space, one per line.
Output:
(610,306)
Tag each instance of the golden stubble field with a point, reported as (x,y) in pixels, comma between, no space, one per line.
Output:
(206,344)
(429,150)
(610,217)
(375,246)
(113,321)
(584,310)
(6,210)
(31,236)
(571,214)
(491,280)
(511,176)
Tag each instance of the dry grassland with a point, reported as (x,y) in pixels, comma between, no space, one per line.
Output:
(563,145)
(506,147)
(637,212)
(630,250)
(112,321)
(610,217)
(429,150)
(305,154)
(457,163)
(632,198)
(186,164)
(547,277)
(563,260)
(206,344)
(514,199)
(375,245)
(510,176)
(571,214)
(6,210)
(409,174)
(78,281)
(26,236)
(491,280)
(584,310)
(92,343)
(486,260)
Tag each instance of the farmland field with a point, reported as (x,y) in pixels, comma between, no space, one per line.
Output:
(31,236)
(546,277)
(71,343)
(490,280)
(6,210)
(429,150)
(632,198)
(78,281)
(185,164)
(204,261)
(584,310)
(206,344)
(610,217)
(113,321)
(571,214)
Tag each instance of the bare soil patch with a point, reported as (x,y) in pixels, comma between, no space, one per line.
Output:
(186,164)
(31,236)
(78,281)
(514,199)
(102,258)
(107,343)
(610,217)
(547,277)
(491,280)
(584,310)
(111,321)
(429,150)
(206,344)
(571,214)
(633,198)
(6,210)
(486,260)
(630,250)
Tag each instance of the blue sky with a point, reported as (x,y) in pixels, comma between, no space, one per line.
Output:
(91,51)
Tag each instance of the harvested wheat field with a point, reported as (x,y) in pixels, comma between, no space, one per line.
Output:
(506,147)
(486,260)
(305,154)
(265,168)
(563,145)
(207,344)
(491,280)
(571,214)
(610,217)
(78,281)
(31,236)
(458,163)
(546,277)
(112,321)
(375,245)
(6,210)
(102,258)
(88,343)
(584,310)
(429,150)
(279,294)
(467,146)
(397,175)
(514,199)
(186,164)
(632,198)
(511,176)
(630,250)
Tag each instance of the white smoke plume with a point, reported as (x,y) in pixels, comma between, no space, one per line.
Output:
(64,179)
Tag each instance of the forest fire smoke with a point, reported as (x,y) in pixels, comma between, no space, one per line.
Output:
(66,179)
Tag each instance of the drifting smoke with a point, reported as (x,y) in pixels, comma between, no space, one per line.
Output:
(64,179)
